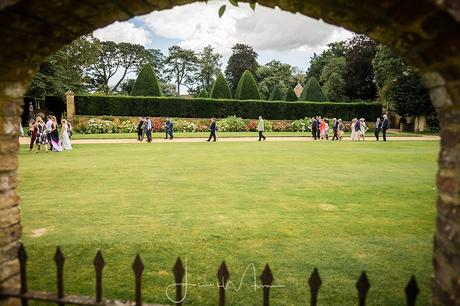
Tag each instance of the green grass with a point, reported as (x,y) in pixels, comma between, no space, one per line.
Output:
(341,207)
(225,135)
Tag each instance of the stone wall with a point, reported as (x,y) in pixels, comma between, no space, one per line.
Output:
(426,33)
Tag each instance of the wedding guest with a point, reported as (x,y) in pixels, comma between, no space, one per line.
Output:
(261,128)
(363,128)
(69,129)
(377,128)
(169,129)
(140,135)
(340,128)
(49,127)
(352,127)
(32,133)
(65,138)
(166,128)
(314,127)
(385,126)
(322,129)
(357,130)
(148,129)
(55,136)
(213,129)
(42,137)
(318,131)
(335,127)
(326,131)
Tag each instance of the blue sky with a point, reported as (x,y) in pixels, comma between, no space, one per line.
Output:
(274,34)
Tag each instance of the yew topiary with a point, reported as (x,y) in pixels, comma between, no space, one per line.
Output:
(146,83)
(220,89)
(312,92)
(247,88)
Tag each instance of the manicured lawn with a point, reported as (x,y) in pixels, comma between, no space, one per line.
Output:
(341,207)
(224,135)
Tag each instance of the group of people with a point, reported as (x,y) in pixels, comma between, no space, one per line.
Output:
(48,136)
(145,127)
(320,128)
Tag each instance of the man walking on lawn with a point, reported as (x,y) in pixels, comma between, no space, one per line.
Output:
(261,128)
(148,127)
(385,126)
(213,128)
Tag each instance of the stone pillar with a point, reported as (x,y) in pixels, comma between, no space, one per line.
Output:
(10,226)
(70,102)
(446,257)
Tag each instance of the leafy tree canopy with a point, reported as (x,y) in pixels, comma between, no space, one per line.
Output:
(243,58)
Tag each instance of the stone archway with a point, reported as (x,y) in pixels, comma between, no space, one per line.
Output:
(426,34)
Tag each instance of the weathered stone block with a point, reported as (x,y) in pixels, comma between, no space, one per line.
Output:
(9,217)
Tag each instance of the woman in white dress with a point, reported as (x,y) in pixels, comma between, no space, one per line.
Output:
(363,127)
(65,139)
(353,132)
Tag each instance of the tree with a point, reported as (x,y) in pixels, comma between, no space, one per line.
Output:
(271,74)
(359,73)
(243,58)
(220,89)
(387,68)
(203,94)
(146,83)
(277,94)
(182,65)
(127,86)
(209,64)
(112,60)
(247,88)
(333,79)
(312,92)
(409,96)
(290,95)
(156,59)
(64,70)
(317,62)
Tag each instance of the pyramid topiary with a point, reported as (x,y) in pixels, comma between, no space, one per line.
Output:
(247,88)
(220,89)
(277,94)
(290,95)
(146,83)
(203,94)
(313,92)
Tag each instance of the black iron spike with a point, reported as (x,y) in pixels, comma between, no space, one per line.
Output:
(138,268)
(411,291)
(98,264)
(59,260)
(315,283)
(363,286)
(222,276)
(267,280)
(179,272)
(22,257)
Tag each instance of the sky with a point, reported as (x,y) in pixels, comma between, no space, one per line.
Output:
(274,34)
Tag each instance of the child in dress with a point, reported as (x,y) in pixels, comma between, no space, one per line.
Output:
(42,137)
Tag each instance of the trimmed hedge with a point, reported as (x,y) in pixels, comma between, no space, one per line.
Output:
(313,92)
(277,94)
(220,89)
(247,87)
(290,95)
(146,83)
(220,108)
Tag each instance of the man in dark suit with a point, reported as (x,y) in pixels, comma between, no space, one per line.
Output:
(385,126)
(213,129)
(314,127)
(318,121)
(335,128)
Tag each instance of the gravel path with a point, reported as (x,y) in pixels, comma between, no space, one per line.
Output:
(25,140)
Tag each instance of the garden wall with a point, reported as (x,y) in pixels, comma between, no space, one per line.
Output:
(89,105)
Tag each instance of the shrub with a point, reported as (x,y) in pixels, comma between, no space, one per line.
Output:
(231,124)
(207,108)
(290,95)
(302,125)
(313,92)
(277,94)
(185,126)
(282,126)
(247,88)
(98,126)
(127,127)
(220,89)
(146,83)
(203,94)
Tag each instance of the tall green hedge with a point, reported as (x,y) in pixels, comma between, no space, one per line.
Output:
(219,108)
(277,94)
(220,89)
(203,94)
(290,96)
(247,87)
(313,92)
(146,84)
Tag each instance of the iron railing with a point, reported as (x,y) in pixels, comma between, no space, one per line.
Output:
(362,285)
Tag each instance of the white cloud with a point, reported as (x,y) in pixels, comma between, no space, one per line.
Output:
(123,32)
(197,25)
